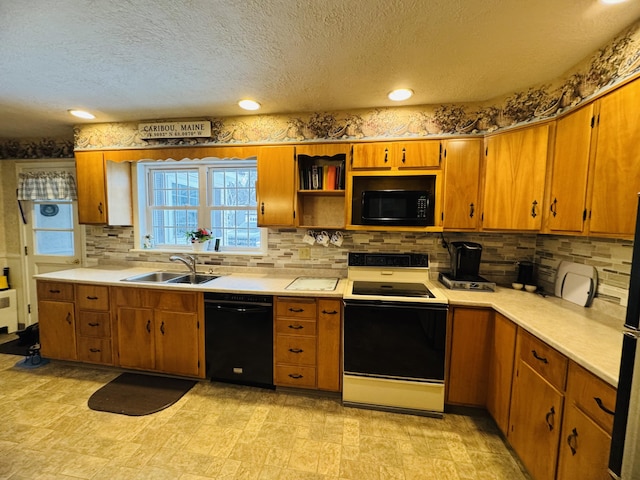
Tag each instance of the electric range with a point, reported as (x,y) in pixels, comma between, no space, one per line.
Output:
(394,335)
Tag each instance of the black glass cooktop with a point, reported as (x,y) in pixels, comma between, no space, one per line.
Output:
(391,289)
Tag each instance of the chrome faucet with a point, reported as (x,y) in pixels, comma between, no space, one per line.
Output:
(189,261)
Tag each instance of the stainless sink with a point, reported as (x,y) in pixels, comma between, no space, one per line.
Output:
(154,277)
(193,278)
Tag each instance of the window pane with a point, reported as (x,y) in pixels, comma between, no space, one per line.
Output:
(173,188)
(54,242)
(53,215)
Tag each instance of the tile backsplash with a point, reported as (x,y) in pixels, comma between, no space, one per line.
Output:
(501,251)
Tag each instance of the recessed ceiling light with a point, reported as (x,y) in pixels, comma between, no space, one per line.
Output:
(249,104)
(81,114)
(612,2)
(400,94)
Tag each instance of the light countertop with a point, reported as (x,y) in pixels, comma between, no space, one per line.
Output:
(587,336)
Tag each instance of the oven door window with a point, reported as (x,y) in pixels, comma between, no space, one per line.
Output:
(395,340)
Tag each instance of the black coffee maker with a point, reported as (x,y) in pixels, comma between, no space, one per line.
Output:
(465,260)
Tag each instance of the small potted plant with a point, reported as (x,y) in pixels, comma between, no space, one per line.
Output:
(198,238)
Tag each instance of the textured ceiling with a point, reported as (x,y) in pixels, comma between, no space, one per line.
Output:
(157,59)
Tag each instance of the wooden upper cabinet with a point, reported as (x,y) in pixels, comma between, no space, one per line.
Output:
(104,190)
(276,187)
(461,182)
(616,179)
(397,155)
(566,210)
(515,179)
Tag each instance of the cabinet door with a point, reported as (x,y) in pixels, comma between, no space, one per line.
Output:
(372,155)
(514,179)
(469,356)
(535,420)
(92,195)
(177,342)
(616,178)
(461,181)
(584,448)
(501,359)
(136,344)
(567,199)
(425,154)
(57,329)
(275,186)
(329,343)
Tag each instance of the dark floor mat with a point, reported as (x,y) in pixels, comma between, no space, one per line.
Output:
(136,394)
(13,347)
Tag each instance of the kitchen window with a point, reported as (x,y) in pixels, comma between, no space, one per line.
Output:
(219,195)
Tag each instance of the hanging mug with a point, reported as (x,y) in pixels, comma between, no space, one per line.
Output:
(323,239)
(309,237)
(337,239)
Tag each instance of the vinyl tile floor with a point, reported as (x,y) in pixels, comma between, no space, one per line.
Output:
(223,431)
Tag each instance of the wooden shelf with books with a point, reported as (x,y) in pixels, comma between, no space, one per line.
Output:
(320,199)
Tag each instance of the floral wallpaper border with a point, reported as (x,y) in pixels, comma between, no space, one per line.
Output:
(615,62)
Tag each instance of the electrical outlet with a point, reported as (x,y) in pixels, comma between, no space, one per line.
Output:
(304,253)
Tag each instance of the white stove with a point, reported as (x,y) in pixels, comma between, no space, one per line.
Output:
(394,335)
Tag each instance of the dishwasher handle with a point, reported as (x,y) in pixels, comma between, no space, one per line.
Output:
(240,308)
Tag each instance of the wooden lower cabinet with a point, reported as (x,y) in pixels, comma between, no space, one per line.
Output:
(586,428)
(56,320)
(501,359)
(159,330)
(93,324)
(537,404)
(470,329)
(307,333)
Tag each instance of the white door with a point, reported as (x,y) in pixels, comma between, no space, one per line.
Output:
(52,238)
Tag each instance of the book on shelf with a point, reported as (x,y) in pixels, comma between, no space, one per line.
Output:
(321,175)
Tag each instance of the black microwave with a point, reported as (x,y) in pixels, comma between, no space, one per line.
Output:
(397,207)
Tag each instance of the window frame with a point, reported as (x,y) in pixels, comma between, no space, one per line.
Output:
(205,168)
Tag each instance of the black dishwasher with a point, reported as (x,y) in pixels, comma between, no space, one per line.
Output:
(239,338)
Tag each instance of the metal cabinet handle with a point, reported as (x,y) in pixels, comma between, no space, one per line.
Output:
(550,418)
(472,210)
(92,298)
(554,207)
(96,324)
(148,326)
(95,350)
(296,327)
(538,357)
(100,208)
(162,328)
(533,209)
(572,441)
(404,155)
(296,310)
(54,291)
(602,407)
(69,318)
(333,312)
(386,155)
(295,375)
(296,350)
(262,208)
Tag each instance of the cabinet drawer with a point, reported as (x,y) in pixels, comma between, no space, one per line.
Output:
(94,350)
(55,291)
(295,376)
(545,360)
(296,350)
(92,297)
(93,324)
(297,308)
(591,395)
(295,327)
